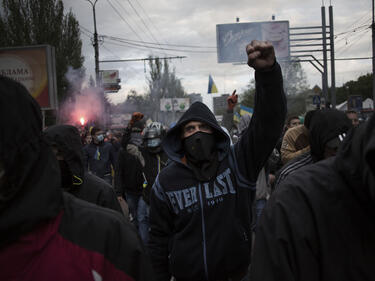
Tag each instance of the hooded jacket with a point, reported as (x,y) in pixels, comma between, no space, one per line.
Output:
(46,234)
(85,186)
(201,230)
(320,223)
(325,125)
(130,163)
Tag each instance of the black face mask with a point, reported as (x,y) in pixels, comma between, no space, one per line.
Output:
(201,155)
(66,175)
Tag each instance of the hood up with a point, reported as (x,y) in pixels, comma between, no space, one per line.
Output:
(326,124)
(31,190)
(68,142)
(356,160)
(172,143)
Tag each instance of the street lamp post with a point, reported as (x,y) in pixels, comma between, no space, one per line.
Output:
(95,44)
(373,55)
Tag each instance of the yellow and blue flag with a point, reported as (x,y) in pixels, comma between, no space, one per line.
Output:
(246,110)
(211,85)
(236,117)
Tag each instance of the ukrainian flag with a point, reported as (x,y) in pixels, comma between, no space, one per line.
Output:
(236,117)
(246,110)
(211,85)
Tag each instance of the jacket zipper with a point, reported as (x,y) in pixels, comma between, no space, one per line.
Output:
(203,232)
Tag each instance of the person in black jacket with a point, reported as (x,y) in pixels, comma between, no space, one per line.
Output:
(200,204)
(99,156)
(319,224)
(128,174)
(66,143)
(155,160)
(327,130)
(45,233)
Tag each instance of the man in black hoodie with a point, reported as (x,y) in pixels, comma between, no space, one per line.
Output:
(45,233)
(66,143)
(319,225)
(200,204)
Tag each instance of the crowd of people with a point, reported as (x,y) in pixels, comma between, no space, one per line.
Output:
(272,198)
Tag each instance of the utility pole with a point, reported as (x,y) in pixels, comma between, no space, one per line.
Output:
(332,47)
(96,45)
(373,55)
(325,76)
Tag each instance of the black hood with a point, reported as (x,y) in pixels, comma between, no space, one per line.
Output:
(172,143)
(356,160)
(326,125)
(31,191)
(68,142)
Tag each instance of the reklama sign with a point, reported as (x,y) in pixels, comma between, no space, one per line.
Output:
(34,67)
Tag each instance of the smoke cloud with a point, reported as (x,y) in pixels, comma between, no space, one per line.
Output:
(85,102)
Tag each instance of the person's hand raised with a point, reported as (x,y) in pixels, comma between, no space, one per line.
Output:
(232,100)
(260,55)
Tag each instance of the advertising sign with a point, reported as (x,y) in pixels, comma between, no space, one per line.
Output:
(233,38)
(175,104)
(34,67)
(110,81)
(110,76)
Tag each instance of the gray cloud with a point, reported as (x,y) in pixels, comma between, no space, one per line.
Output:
(194,23)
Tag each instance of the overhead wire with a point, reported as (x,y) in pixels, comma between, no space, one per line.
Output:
(144,23)
(134,47)
(150,43)
(131,28)
(119,42)
(88,33)
(352,42)
(149,19)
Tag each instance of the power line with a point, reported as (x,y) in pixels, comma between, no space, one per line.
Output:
(104,47)
(353,41)
(135,10)
(150,43)
(149,19)
(133,47)
(158,48)
(129,16)
(127,60)
(136,34)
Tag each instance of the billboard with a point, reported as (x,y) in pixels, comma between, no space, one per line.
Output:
(110,80)
(174,104)
(34,67)
(110,76)
(233,38)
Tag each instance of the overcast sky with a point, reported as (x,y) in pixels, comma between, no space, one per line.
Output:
(193,23)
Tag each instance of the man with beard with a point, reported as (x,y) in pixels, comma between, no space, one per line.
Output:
(45,233)
(66,144)
(200,204)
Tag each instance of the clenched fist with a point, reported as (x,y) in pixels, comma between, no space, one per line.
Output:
(260,55)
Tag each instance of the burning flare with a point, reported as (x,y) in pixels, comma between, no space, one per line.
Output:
(82,120)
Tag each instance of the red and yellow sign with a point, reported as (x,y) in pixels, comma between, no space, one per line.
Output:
(29,66)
